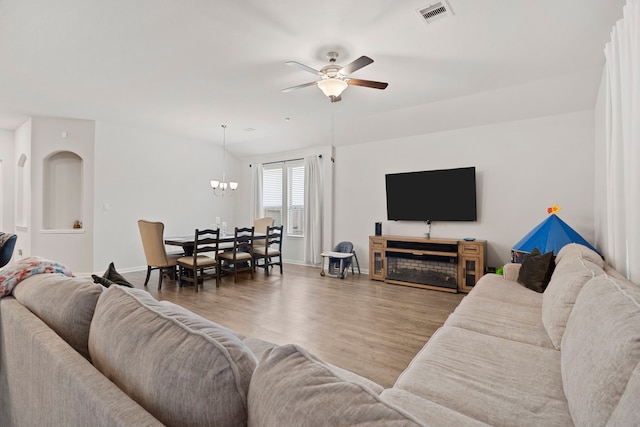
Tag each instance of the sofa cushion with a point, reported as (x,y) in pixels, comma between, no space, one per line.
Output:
(182,368)
(576,250)
(432,414)
(568,278)
(494,380)
(570,265)
(66,304)
(489,316)
(510,271)
(536,270)
(509,292)
(601,350)
(292,387)
(504,309)
(628,411)
(45,382)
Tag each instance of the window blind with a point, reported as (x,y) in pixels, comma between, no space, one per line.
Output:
(272,193)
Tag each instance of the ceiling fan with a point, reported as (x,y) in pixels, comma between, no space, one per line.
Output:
(334,78)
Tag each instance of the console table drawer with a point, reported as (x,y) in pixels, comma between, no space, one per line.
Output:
(376,243)
(470,248)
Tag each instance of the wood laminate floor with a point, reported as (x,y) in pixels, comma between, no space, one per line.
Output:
(371,328)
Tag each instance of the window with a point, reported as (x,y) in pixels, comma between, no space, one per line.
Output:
(283,186)
(272,193)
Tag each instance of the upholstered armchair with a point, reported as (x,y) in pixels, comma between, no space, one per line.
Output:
(7,244)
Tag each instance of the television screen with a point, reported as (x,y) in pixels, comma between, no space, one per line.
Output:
(436,195)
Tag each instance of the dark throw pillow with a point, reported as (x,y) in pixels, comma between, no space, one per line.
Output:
(536,270)
(113,276)
(102,280)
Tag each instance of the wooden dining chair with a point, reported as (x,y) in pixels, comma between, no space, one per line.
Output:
(271,251)
(198,267)
(155,252)
(240,258)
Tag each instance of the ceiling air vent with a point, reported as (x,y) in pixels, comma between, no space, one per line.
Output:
(435,11)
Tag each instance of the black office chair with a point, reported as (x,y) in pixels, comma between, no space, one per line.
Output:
(7,245)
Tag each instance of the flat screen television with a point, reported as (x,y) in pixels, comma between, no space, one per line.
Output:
(435,195)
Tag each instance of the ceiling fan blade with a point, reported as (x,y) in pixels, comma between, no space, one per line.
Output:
(368,83)
(289,89)
(354,66)
(304,68)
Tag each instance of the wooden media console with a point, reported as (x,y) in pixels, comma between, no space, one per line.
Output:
(448,265)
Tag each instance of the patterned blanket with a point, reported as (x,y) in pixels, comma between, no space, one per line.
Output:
(16,272)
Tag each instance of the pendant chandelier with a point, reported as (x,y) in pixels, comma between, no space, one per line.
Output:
(223,188)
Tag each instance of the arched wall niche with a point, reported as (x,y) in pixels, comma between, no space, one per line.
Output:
(62,191)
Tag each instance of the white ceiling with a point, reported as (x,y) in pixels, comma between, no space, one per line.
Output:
(187,66)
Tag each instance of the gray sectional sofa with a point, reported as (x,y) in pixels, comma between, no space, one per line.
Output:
(75,354)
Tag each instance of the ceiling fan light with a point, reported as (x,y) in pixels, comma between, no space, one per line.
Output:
(332,86)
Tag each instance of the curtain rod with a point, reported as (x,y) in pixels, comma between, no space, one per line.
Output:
(285,161)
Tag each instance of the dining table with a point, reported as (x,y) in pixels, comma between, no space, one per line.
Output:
(187,242)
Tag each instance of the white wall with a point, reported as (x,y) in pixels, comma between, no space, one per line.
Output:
(523,167)
(7,181)
(22,139)
(72,248)
(145,174)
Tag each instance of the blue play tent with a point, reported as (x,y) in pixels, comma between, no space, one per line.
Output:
(550,235)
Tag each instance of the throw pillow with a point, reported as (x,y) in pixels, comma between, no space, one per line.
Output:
(183,369)
(112,275)
(102,280)
(12,274)
(536,270)
(65,304)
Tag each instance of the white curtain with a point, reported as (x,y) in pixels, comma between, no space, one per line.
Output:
(312,210)
(622,232)
(256,192)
